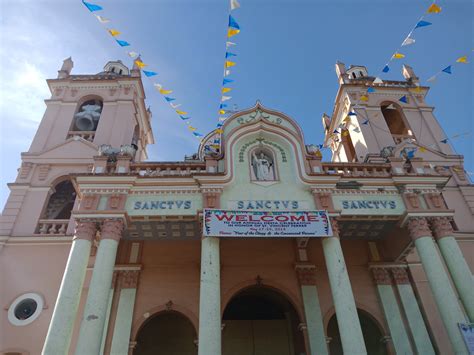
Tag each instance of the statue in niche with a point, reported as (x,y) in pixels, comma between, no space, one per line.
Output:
(263,167)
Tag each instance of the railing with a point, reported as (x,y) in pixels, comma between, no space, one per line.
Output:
(87,135)
(168,169)
(357,170)
(52,226)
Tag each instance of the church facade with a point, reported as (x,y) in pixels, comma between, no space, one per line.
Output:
(104,252)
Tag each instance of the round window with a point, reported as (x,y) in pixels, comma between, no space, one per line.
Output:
(25,309)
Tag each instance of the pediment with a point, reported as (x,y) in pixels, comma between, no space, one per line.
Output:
(73,148)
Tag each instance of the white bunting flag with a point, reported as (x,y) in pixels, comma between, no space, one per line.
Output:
(229,44)
(225,98)
(102,19)
(234,4)
(175,105)
(378,81)
(408,41)
(158,86)
(133,54)
(226,72)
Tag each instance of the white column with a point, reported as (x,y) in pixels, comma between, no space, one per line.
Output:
(457,265)
(210,298)
(123,321)
(314,320)
(107,319)
(445,298)
(346,311)
(421,338)
(60,329)
(95,310)
(392,312)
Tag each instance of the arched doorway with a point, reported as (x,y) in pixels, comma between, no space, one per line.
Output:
(373,336)
(167,333)
(261,321)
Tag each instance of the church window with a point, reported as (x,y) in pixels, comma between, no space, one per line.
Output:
(396,123)
(61,202)
(354,75)
(262,164)
(25,309)
(88,115)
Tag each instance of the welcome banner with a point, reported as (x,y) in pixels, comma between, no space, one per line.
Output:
(230,223)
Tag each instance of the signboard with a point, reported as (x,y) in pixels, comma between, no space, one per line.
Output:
(467,331)
(231,223)
(265,205)
(370,204)
(163,204)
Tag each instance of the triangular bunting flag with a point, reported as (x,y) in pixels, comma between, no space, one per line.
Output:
(365,122)
(377,81)
(447,70)
(462,59)
(224,90)
(229,44)
(225,98)
(347,119)
(181,112)
(140,64)
(422,149)
(102,19)
(222,118)
(422,24)
(219,131)
(444,141)
(357,130)
(386,69)
(221,112)
(370,89)
(345,133)
(232,32)
(222,105)
(226,72)
(191,128)
(364,98)
(397,55)
(92,7)
(229,54)
(197,134)
(184,118)
(228,63)
(122,43)
(390,107)
(335,131)
(233,23)
(165,92)
(408,41)
(175,106)
(234,4)
(434,9)
(114,32)
(352,113)
(133,54)
(149,73)
(226,81)
(403,99)
(169,99)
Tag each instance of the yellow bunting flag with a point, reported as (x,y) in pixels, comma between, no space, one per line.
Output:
(347,119)
(462,59)
(165,92)
(140,64)
(422,149)
(224,90)
(417,89)
(228,63)
(318,154)
(364,98)
(221,112)
(232,32)
(398,55)
(114,32)
(220,131)
(345,133)
(434,9)
(191,128)
(181,112)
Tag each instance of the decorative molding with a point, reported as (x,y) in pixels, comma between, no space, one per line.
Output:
(112,229)
(400,275)
(129,278)
(43,171)
(442,227)
(306,274)
(418,227)
(85,229)
(25,170)
(381,276)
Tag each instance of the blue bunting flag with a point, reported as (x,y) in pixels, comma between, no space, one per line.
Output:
(122,43)
(92,7)
(447,70)
(422,24)
(233,23)
(149,73)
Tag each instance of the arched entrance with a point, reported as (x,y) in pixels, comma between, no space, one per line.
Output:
(373,336)
(261,321)
(166,333)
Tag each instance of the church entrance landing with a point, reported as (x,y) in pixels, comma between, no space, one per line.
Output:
(261,321)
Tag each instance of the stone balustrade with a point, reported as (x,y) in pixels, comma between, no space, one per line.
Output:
(87,135)
(168,169)
(52,226)
(357,170)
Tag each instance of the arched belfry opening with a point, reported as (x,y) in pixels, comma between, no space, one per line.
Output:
(166,333)
(396,122)
(373,335)
(260,320)
(61,202)
(88,115)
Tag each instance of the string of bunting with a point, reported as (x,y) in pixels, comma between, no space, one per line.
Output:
(233,29)
(449,68)
(139,63)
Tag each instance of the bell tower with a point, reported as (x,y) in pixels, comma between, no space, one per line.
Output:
(87,115)
(372,116)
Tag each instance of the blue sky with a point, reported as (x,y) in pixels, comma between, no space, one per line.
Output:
(286,55)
